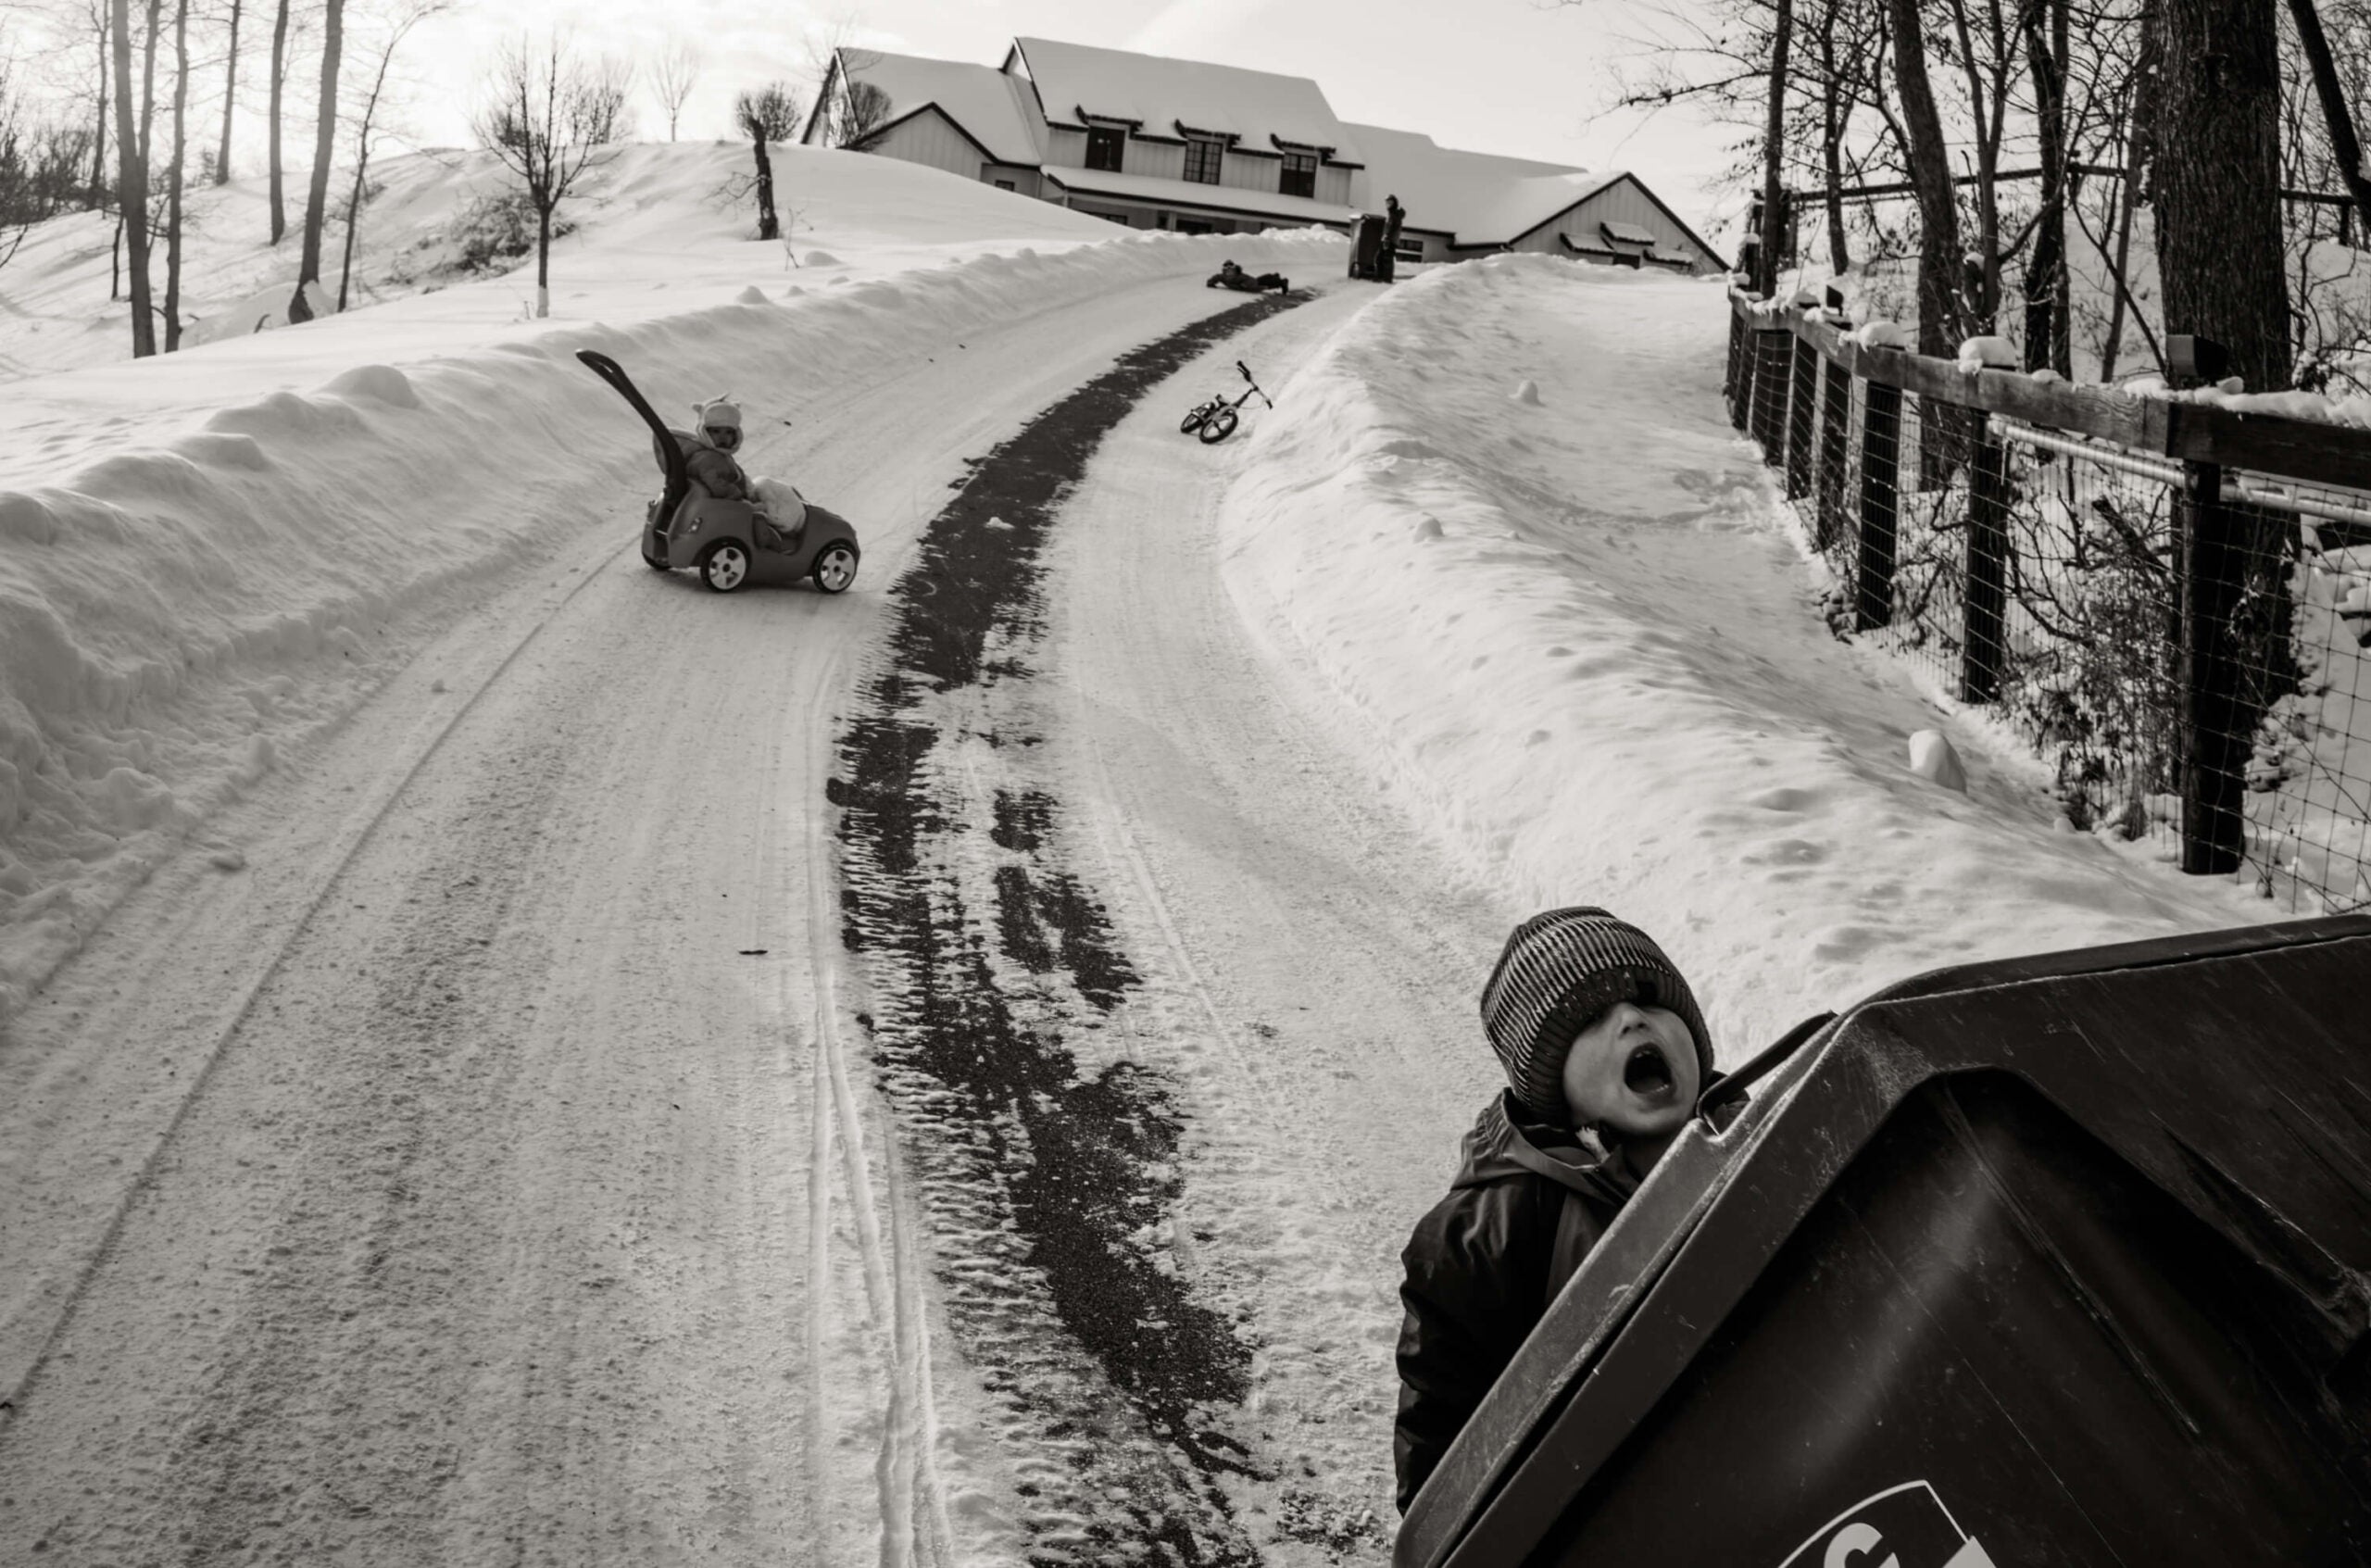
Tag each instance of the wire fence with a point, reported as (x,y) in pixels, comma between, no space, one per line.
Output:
(2182,640)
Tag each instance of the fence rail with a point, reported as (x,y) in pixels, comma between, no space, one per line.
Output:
(2170,600)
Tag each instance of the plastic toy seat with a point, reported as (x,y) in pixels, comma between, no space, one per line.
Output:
(2053,1262)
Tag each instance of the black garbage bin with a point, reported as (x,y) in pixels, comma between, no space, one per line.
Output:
(2059,1261)
(1366,248)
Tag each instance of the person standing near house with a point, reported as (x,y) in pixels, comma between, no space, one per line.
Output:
(1389,260)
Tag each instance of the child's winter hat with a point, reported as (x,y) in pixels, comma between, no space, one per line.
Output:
(719,413)
(1560,970)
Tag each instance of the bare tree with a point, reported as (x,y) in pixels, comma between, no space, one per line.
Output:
(229,98)
(766,114)
(1771,245)
(2346,149)
(271,125)
(173,179)
(132,185)
(316,195)
(413,17)
(548,118)
(1930,174)
(672,75)
(2219,237)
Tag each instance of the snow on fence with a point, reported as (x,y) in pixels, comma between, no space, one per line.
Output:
(2171,600)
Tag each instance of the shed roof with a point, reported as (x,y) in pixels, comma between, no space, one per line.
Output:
(1162,95)
(1477,198)
(991,108)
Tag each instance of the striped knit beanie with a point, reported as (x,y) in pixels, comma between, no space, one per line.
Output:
(1560,970)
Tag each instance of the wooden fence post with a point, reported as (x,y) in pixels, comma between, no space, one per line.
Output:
(1804,392)
(1770,359)
(1880,476)
(1835,408)
(1735,388)
(1982,649)
(2213,575)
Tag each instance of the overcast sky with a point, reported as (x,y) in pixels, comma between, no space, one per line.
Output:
(1526,77)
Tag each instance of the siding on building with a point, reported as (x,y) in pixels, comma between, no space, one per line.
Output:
(1622,202)
(1142,157)
(930,138)
(1024,178)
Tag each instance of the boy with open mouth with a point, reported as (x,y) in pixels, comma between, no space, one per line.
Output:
(1605,1053)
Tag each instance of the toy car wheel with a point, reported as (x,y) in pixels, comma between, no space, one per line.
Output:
(1219,426)
(724,566)
(1193,420)
(835,568)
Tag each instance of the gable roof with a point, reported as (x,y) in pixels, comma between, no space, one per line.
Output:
(990,107)
(1167,97)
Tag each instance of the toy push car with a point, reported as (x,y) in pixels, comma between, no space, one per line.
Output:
(730,544)
(1229,276)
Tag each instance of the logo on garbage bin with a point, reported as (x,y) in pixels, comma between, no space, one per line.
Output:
(1904,1526)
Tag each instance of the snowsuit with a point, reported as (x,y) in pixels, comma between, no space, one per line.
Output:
(712,468)
(1387,259)
(1530,1202)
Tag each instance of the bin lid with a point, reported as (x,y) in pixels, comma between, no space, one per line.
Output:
(2063,1259)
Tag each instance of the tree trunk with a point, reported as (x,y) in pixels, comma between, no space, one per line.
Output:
(100,141)
(1931,176)
(317,196)
(2344,145)
(131,188)
(1832,115)
(768,225)
(229,101)
(279,83)
(1774,216)
(2047,317)
(173,179)
(543,260)
(353,216)
(2220,256)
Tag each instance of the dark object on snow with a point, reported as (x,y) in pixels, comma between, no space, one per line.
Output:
(1389,260)
(2191,360)
(1216,420)
(730,543)
(2055,1261)
(1229,276)
(1368,251)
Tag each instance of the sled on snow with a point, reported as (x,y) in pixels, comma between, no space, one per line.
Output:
(2063,1259)
(730,543)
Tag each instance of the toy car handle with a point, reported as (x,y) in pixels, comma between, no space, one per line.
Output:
(1733,1086)
(670,457)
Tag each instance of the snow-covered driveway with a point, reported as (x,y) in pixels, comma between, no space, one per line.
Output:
(488,1170)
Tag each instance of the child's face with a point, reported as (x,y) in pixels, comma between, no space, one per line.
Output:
(1634,1070)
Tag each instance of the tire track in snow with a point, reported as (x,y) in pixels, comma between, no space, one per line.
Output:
(358,836)
(1045,1182)
(915,1530)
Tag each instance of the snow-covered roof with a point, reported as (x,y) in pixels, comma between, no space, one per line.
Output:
(1162,95)
(1477,198)
(991,108)
(1192,194)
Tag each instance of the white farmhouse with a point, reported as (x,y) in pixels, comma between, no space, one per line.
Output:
(1156,143)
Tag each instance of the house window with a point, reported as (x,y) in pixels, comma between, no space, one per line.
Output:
(1202,155)
(1299,177)
(1004,185)
(1103,146)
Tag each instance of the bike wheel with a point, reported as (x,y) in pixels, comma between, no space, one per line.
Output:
(1217,427)
(1193,421)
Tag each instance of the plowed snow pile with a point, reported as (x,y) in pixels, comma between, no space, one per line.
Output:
(1577,639)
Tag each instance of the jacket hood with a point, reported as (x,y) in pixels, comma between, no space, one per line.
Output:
(1507,1140)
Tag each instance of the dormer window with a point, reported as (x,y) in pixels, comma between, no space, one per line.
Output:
(1203,155)
(1299,175)
(1104,146)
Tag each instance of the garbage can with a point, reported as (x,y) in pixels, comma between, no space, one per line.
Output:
(2059,1261)
(1366,246)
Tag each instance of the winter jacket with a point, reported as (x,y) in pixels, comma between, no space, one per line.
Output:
(711,469)
(1482,1267)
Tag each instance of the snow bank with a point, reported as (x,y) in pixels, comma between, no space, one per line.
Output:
(1580,645)
(172,614)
